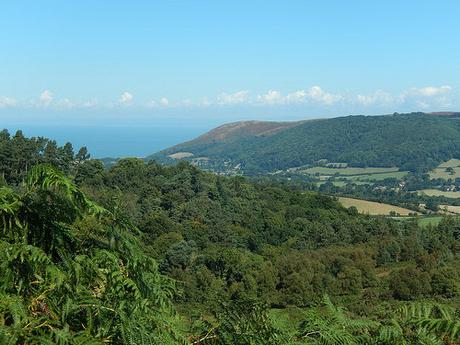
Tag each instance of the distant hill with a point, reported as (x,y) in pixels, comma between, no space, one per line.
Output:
(416,142)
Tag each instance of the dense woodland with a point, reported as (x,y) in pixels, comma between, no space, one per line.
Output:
(142,253)
(415,142)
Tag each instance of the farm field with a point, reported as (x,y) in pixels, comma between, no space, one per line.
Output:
(430,221)
(343,183)
(371,174)
(451,163)
(436,192)
(347,171)
(440,171)
(422,221)
(379,176)
(450,208)
(374,208)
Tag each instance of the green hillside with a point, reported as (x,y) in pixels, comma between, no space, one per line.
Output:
(413,142)
(141,253)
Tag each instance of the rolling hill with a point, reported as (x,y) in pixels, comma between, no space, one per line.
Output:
(415,142)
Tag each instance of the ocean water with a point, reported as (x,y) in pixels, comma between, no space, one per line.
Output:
(116,140)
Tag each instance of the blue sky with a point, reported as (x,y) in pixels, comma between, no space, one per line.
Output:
(115,62)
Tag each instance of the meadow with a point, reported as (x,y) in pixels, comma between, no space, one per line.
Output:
(450,208)
(440,170)
(437,192)
(347,171)
(374,208)
(355,175)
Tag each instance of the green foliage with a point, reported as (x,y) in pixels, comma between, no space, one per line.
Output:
(244,322)
(19,154)
(77,271)
(415,142)
(69,274)
(331,325)
(421,323)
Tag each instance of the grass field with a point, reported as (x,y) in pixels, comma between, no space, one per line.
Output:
(379,177)
(356,174)
(342,183)
(429,221)
(347,171)
(440,171)
(450,208)
(436,192)
(452,163)
(374,208)
(422,221)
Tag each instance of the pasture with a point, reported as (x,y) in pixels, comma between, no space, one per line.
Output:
(433,221)
(347,171)
(374,208)
(437,192)
(440,172)
(355,175)
(341,183)
(450,208)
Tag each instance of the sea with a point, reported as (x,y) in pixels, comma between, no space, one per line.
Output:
(116,140)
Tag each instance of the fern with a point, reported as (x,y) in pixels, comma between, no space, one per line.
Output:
(60,284)
(332,326)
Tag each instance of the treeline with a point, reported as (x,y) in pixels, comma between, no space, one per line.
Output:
(19,154)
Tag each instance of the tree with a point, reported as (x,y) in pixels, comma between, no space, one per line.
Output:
(82,154)
(410,283)
(66,157)
(70,274)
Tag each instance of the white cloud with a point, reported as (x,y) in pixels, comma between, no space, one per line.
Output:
(317,94)
(6,102)
(297,97)
(434,97)
(65,103)
(415,98)
(46,97)
(233,98)
(164,101)
(271,97)
(126,98)
(431,91)
(377,98)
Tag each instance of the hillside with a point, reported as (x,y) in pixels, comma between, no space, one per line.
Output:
(414,142)
(141,253)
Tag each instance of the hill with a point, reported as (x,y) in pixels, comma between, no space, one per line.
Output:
(414,142)
(141,253)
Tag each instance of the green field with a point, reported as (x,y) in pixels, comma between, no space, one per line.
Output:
(343,183)
(347,171)
(440,171)
(450,208)
(422,221)
(437,192)
(379,176)
(370,174)
(374,208)
(429,221)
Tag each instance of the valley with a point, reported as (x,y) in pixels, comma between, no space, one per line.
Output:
(229,172)
(379,169)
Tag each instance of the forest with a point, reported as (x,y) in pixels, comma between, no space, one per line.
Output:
(414,142)
(142,253)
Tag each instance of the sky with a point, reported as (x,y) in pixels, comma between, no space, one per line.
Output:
(192,65)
